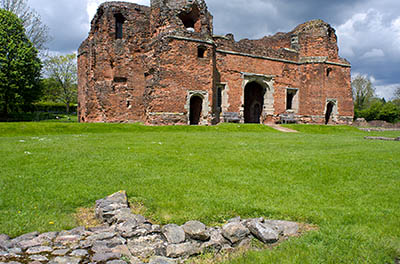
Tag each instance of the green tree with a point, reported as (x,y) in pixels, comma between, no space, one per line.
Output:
(363,92)
(389,112)
(35,30)
(20,66)
(61,85)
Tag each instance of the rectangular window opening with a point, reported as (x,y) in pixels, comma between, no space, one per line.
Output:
(201,52)
(119,22)
(219,97)
(290,93)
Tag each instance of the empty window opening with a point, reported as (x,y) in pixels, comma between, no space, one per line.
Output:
(189,19)
(331,32)
(120,79)
(196,105)
(119,22)
(329,110)
(219,97)
(328,72)
(289,99)
(128,104)
(294,42)
(201,51)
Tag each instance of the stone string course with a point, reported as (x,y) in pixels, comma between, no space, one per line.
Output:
(129,238)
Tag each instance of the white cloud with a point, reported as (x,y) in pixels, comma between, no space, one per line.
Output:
(368,34)
(374,53)
(386,91)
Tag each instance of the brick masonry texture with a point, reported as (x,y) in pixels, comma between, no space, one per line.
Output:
(162,65)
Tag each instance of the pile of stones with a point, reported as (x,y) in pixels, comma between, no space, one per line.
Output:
(130,238)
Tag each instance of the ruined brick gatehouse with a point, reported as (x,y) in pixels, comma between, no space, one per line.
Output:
(163,65)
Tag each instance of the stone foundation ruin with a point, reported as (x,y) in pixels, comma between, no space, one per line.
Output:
(162,65)
(125,238)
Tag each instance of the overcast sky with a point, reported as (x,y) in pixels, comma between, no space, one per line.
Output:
(368,30)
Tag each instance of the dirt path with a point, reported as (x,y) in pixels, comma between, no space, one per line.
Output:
(282,129)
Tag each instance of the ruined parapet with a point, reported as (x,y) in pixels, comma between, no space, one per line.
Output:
(186,18)
(110,62)
(315,38)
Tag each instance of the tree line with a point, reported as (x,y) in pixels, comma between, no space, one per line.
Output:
(369,106)
(29,75)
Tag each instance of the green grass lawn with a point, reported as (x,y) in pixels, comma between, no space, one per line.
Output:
(328,176)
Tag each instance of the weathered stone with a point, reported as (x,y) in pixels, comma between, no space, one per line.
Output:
(196,230)
(4,237)
(306,59)
(16,240)
(161,260)
(101,229)
(116,241)
(100,246)
(47,237)
(147,246)
(286,228)
(60,252)
(235,232)
(35,262)
(29,243)
(125,214)
(173,233)
(101,236)
(67,239)
(78,231)
(144,230)
(116,262)
(66,260)
(105,244)
(15,250)
(263,232)
(107,208)
(127,229)
(79,253)
(38,258)
(217,241)
(103,257)
(183,250)
(39,250)
(124,251)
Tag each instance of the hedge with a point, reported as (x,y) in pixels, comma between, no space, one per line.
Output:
(53,107)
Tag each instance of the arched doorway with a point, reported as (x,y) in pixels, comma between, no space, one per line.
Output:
(253,102)
(196,106)
(329,110)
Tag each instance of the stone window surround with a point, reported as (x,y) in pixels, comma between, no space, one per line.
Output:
(267,82)
(224,96)
(205,111)
(295,100)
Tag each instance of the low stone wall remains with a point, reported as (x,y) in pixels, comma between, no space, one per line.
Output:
(130,238)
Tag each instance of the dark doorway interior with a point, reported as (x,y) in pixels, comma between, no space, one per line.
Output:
(253,102)
(329,109)
(196,103)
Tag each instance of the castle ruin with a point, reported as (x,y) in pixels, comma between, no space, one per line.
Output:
(162,65)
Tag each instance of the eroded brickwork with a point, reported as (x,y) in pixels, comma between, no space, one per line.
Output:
(162,65)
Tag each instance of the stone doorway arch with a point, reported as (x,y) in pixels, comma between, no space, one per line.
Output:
(253,102)
(196,108)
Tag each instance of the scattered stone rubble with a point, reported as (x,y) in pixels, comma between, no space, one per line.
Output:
(383,138)
(129,238)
